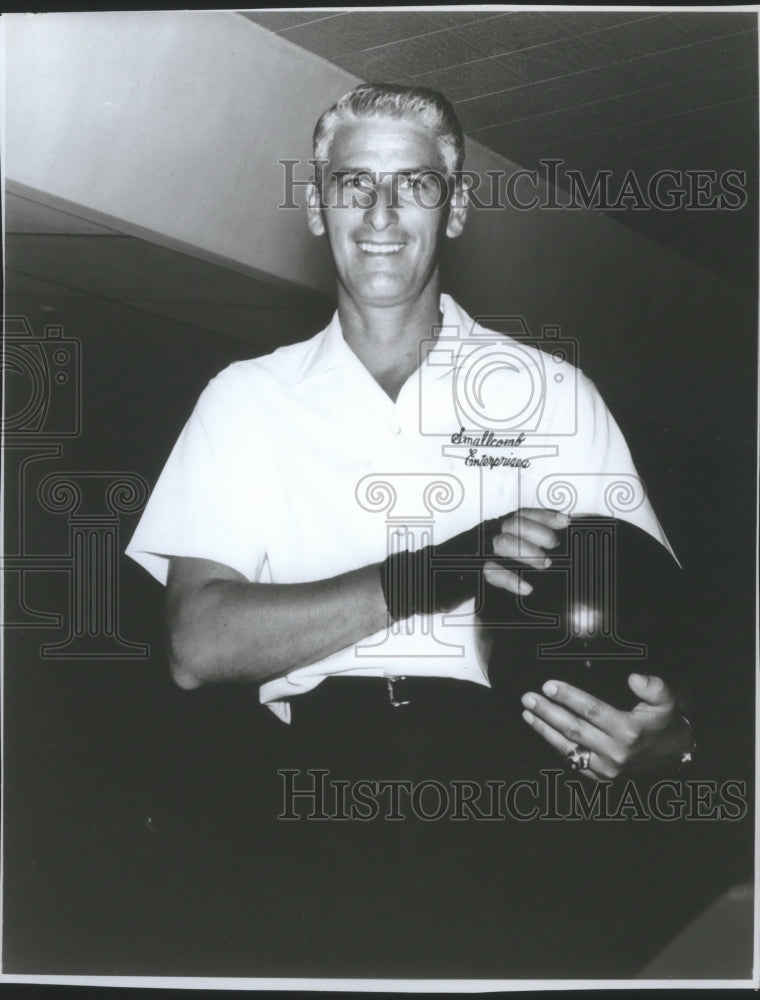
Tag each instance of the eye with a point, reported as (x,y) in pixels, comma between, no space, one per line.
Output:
(361,181)
(429,182)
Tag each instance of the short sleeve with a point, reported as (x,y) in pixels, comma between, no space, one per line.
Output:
(594,464)
(209,500)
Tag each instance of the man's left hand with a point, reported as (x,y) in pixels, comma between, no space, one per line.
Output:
(652,735)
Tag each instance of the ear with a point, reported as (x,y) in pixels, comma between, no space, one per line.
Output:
(314,211)
(458,208)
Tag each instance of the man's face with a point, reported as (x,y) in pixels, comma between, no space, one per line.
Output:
(384,210)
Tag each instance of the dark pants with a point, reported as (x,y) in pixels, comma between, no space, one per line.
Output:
(439,891)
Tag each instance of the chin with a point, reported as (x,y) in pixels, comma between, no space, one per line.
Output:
(391,299)
(392,293)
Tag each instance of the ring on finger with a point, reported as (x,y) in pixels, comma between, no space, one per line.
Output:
(578,758)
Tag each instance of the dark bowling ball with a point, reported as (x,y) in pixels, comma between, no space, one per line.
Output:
(611,604)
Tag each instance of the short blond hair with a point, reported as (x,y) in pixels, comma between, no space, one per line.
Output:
(387,100)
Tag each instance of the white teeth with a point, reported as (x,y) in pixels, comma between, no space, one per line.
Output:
(379,248)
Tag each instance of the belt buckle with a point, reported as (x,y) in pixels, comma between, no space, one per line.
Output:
(392,694)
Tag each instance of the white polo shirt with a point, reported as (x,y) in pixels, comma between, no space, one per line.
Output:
(297,467)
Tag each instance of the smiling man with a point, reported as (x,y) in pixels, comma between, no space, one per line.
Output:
(311,579)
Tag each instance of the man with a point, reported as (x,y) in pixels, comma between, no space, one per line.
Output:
(288,526)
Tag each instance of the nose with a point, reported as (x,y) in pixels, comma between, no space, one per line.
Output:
(383,211)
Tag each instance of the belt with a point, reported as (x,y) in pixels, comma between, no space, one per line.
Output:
(402,725)
(398,693)
(402,690)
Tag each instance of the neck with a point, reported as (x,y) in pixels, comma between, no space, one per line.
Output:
(387,339)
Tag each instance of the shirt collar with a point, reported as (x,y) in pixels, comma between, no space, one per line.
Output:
(446,354)
(331,350)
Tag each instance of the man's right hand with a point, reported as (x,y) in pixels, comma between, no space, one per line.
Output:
(525,536)
(411,585)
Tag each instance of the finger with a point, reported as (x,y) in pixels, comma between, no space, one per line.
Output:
(560,743)
(505,579)
(652,690)
(606,718)
(510,546)
(529,531)
(573,728)
(551,518)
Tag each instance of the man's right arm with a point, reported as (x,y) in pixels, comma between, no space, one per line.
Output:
(221,627)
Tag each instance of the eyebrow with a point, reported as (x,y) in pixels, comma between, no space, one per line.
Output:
(425,168)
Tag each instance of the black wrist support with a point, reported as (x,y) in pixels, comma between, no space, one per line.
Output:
(438,578)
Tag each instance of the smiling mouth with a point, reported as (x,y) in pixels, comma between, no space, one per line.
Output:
(381,249)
